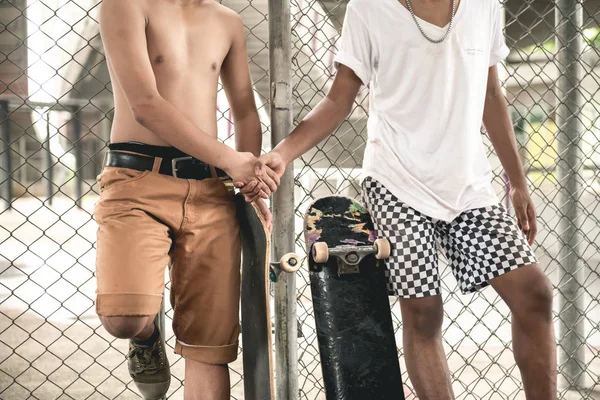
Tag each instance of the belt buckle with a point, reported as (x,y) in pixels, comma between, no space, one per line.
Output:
(174,162)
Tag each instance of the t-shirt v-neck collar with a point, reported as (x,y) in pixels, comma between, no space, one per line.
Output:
(404,12)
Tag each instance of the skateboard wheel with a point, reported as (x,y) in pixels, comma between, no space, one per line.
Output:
(320,252)
(290,263)
(383,249)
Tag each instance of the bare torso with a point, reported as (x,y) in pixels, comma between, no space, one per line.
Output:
(187,44)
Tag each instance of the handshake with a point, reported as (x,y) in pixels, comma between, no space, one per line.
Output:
(257,177)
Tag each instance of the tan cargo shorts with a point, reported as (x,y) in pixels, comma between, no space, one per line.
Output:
(148,221)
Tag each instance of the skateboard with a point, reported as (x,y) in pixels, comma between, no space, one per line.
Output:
(257,271)
(358,351)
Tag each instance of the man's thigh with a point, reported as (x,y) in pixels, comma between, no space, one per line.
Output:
(132,254)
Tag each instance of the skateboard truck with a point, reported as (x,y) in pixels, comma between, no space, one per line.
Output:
(349,256)
(289,263)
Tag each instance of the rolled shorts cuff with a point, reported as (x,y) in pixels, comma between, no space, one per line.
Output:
(217,355)
(127,304)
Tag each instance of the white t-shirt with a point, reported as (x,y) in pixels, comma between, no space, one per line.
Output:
(426,101)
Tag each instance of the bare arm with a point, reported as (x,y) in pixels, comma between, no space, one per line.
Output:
(324,118)
(498,124)
(235,77)
(123,30)
(316,126)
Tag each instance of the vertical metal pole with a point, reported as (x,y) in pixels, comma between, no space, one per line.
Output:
(569,42)
(502,75)
(75,119)
(286,325)
(5,156)
(49,171)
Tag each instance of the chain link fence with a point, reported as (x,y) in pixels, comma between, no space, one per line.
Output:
(55,117)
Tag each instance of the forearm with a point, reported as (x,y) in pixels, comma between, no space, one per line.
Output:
(163,119)
(321,122)
(248,135)
(500,130)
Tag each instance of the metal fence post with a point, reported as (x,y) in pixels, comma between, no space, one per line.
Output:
(46,260)
(75,119)
(49,171)
(5,156)
(286,330)
(569,42)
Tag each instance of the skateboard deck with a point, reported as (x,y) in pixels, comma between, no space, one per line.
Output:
(256,314)
(358,351)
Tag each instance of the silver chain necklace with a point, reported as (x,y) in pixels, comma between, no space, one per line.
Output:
(423,32)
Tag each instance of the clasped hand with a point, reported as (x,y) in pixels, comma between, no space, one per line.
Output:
(257,178)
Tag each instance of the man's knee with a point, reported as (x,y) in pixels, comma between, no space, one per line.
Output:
(124,327)
(535,300)
(423,316)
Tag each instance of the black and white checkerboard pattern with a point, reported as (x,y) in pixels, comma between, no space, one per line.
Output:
(480,244)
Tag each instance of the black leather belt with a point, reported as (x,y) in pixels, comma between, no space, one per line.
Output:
(180,167)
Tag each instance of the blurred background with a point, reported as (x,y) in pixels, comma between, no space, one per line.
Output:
(55,120)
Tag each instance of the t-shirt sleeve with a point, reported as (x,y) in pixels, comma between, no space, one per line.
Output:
(498,50)
(355,47)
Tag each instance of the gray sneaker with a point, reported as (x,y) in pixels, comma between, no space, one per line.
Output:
(149,368)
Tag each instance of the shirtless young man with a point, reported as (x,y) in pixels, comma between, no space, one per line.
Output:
(426,176)
(158,205)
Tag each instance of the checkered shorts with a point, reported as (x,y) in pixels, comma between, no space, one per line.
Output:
(479,244)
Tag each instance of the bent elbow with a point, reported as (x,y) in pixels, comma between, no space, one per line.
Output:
(340,108)
(138,115)
(142,109)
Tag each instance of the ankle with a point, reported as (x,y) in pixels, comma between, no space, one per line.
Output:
(148,336)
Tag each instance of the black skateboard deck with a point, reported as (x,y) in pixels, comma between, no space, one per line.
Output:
(255,306)
(358,351)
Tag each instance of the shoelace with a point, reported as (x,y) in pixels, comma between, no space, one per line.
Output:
(142,357)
